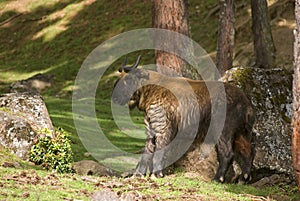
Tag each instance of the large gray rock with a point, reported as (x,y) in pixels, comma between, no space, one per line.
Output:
(23,119)
(270,93)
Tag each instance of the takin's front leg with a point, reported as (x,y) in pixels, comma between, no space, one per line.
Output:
(164,134)
(159,135)
(159,158)
(146,158)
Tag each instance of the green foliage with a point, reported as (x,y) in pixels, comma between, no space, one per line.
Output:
(53,153)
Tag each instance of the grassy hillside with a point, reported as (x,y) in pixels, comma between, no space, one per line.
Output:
(55,36)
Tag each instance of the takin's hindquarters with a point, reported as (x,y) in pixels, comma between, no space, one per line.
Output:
(165,116)
(236,141)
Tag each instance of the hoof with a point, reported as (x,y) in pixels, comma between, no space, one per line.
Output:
(219,179)
(244,178)
(139,175)
(158,174)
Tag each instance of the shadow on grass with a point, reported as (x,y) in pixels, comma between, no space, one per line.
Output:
(61,116)
(57,36)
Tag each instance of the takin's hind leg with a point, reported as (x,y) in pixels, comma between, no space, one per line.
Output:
(225,157)
(244,155)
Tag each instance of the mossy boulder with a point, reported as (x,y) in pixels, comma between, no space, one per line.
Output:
(270,91)
(24,118)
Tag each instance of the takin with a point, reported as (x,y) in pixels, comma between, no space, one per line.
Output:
(170,109)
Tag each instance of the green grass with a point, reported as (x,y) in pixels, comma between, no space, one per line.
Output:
(54,37)
(41,185)
(37,184)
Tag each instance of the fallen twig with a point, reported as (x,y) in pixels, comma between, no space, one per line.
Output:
(10,19)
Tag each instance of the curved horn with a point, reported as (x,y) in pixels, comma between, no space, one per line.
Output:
(126,69)
(124,65)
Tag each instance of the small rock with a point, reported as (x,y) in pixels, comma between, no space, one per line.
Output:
(87,154)
(89,167)
(105,195)
(36,83)
(128,197)
(272,180)
(11,164)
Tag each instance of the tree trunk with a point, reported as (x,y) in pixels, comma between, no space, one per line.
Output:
(225,36)
(172,15)
(263,41)
(296,96)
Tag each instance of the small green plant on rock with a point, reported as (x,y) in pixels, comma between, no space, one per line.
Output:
(53,153)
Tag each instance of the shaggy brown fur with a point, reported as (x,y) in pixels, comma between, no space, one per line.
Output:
(172,105)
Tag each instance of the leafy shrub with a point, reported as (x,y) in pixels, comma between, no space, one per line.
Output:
(53,153)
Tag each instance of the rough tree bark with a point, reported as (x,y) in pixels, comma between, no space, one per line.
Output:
(296,96)
(225,36)
(172,15)
(263,40)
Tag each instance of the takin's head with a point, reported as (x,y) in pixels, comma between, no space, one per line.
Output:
(126,87)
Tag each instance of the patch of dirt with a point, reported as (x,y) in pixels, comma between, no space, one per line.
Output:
(133,187)
(31,177)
